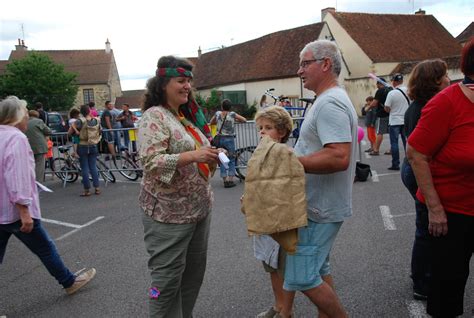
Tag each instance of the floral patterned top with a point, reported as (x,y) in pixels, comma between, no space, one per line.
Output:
(170,194)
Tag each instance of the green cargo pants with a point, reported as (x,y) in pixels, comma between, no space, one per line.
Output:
(178,254)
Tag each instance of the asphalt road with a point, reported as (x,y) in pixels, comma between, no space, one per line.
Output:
(370,260)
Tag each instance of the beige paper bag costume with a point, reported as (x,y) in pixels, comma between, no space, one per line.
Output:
(274,199)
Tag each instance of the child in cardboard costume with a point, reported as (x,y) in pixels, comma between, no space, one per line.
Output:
(274,199)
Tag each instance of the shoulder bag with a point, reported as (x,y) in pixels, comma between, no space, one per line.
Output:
(215,142)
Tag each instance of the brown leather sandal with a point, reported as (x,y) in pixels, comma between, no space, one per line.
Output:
(97,191)
(85,194)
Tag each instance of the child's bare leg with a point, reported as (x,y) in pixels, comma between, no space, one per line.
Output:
(287,308)
(277,286)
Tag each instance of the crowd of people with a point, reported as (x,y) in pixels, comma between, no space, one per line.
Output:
(435,121)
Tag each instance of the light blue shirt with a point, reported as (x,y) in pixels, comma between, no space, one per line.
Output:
(115,113)
(332,119)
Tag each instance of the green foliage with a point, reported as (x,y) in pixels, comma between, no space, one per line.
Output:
(36,78)
(200,100)
(213,103)
(249,111)
(210,104)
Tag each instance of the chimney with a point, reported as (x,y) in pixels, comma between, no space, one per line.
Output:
(420,12)
(21,46)
(199,52)
(107,46)
(324,12)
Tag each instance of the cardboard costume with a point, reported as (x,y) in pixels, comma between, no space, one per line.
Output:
(274,199)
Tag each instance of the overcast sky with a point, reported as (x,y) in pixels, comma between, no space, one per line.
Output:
(141,31)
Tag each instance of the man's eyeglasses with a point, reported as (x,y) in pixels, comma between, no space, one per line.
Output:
(306,63)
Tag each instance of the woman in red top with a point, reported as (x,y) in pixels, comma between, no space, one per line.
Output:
(442,157)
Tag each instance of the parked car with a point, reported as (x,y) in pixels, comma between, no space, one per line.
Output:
(58,126)
(137,112)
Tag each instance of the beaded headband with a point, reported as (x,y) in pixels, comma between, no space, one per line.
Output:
(173,72)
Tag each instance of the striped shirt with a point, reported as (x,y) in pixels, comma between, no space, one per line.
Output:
(17,176)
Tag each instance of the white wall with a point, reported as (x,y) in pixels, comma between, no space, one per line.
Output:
(358,62)
(382,69)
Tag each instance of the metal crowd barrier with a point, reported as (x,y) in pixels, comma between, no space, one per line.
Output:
(62,139)
(247,135)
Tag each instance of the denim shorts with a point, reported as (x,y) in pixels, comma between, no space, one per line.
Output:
(108,136)
(311,260)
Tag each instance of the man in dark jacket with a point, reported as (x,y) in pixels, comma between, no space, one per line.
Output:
(127,119)
(382,116)
(41,112)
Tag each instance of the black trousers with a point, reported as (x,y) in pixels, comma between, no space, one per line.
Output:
(450,257)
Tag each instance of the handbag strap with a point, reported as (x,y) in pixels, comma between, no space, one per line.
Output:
(220,129)
(408,101)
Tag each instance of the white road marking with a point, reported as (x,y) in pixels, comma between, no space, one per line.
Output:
(388,174)
(60,223)
(406,214)
(79,228)
(387,218)
(367,155)
(375,176)
(416,309)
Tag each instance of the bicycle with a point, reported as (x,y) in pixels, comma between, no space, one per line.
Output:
(242,156)
(68,169)
(128,165)
(308,102)
(277,100)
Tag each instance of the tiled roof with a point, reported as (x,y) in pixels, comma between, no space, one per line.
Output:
(92,66)
(133,98)
(272,56)
(398,37)
(132,93)
(406,67)
(466,34)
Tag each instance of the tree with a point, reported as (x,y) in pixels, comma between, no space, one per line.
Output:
(210,104)
(36,78)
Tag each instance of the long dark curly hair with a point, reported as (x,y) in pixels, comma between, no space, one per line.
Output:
(155,93)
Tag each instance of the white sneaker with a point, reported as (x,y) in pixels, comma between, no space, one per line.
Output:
(81,280)
(270,313)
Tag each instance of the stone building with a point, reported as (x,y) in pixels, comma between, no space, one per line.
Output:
(97,74)
(244,71)
(383,44)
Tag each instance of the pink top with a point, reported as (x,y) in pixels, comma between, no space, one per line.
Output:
(17,176)
(94,112)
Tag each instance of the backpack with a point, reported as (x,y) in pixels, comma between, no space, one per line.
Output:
(90,131)
(381,113)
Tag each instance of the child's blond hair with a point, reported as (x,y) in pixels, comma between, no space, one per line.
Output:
(279,117)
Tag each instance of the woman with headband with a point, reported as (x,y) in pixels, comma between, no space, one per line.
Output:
(175,194)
